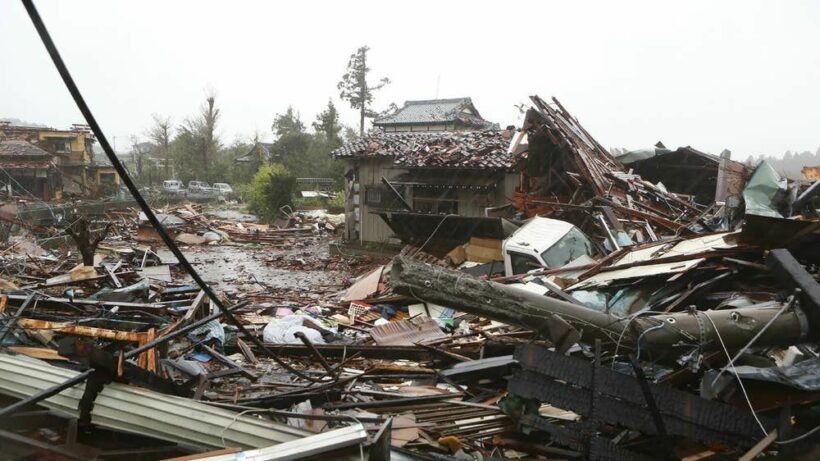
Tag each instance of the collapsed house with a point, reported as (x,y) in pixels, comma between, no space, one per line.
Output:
(687,171)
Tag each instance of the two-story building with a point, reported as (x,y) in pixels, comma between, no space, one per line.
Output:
(71,151)
(27,170)
(428,160)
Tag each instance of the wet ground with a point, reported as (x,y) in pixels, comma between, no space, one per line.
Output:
(308,268)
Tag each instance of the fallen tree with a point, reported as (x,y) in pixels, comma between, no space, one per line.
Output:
(563,322)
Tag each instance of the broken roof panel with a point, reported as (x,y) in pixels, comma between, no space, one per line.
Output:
(448,149)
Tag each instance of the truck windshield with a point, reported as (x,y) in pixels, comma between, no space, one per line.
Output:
(571,246)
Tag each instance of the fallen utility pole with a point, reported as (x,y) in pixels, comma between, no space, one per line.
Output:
(518,307)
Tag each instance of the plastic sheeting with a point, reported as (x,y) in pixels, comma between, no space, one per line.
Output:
(764,191)
(637,155)
(804,375)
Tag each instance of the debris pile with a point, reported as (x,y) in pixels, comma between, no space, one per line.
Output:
(616,320)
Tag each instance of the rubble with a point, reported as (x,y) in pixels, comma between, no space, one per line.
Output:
(682,331)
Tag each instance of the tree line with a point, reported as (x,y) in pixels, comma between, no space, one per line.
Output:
(790,163)
(194,150)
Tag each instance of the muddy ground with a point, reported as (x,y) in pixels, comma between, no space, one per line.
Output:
(304,270)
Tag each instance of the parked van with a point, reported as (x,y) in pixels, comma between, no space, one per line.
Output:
(199,187)
(172,186)
(223,188)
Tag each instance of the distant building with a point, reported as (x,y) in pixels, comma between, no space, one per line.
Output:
(103,173)
(71,152)
(27,170)
(456,114)
(260,152)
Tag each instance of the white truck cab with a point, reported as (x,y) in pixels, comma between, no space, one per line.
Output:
(544,243)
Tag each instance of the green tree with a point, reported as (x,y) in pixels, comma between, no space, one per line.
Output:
(292,142)
(327,122)
(354,89)
(196,145)
(272,187)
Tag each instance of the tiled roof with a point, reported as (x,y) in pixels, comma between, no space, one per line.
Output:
(446,149)
(435,111)
(22,155)
(267,148)
(22,149)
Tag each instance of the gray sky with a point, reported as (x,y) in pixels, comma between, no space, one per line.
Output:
(741,75)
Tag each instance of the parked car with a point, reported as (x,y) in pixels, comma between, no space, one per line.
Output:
(223,188)
(199,187)
(173,186)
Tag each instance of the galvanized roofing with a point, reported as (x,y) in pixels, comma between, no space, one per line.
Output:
(435,111)
(446,149)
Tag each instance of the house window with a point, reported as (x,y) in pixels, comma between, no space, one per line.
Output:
(373,196)
(433,200)
(378,196)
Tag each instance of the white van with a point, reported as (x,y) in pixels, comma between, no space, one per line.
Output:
(172,186)
(199,186)
(544,243)
(222,188)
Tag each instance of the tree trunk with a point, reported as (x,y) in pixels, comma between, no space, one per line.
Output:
(361,122)
(86,240)
(518,307)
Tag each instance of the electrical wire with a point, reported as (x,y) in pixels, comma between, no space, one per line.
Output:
(798,438)
(435,230)
(39,25)
(739,381)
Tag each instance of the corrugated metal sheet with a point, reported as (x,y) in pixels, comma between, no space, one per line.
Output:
(136,410)
(313,445)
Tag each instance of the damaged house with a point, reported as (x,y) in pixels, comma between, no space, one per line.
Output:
(71,152)
(27,170)
(688,171)
(430,158)
(401,184)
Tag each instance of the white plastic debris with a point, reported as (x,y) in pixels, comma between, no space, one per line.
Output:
(281,331)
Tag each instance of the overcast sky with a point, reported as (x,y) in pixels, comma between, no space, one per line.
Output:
(739,75)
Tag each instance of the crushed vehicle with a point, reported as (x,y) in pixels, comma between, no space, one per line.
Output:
(544,243)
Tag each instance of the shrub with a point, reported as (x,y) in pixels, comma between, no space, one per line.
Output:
(271,188)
